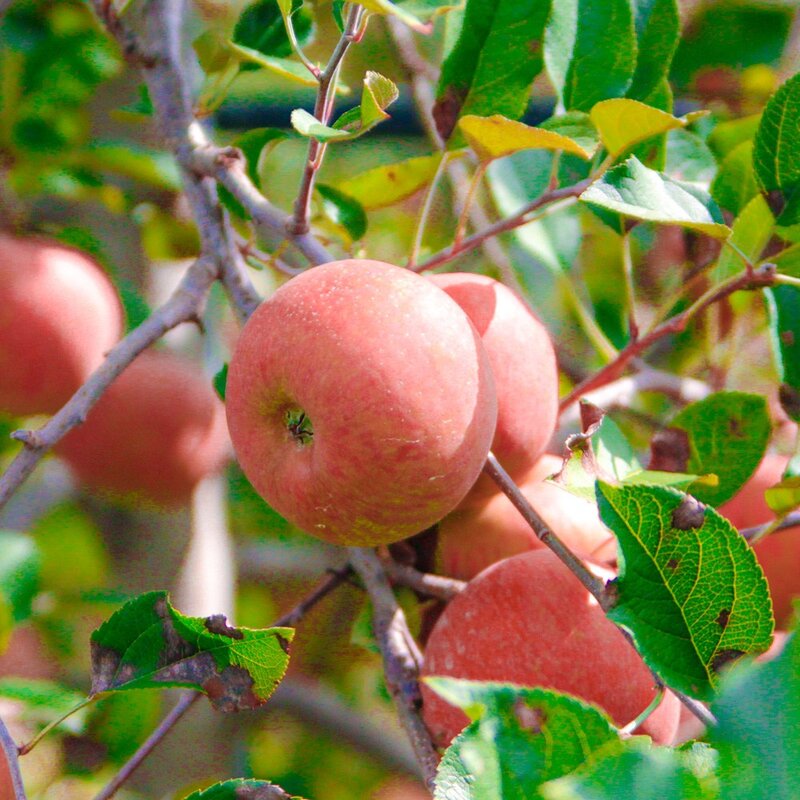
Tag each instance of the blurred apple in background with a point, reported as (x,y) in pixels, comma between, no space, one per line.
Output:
(59,316)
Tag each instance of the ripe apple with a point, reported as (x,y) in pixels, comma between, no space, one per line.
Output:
(153,435)
(779,553)
(472,538)
(524,367)
(528,620)
(360,402)
(59,315)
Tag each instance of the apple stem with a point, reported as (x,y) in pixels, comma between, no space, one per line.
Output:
(299,426)
(628,729)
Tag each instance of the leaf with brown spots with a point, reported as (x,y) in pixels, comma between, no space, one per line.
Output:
(689,588)
(242,789)
(147,644)
(783,303)
(518,739)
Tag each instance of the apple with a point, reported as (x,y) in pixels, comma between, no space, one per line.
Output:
(472,538)
(779,553)
(153,435)
(528,620)
(360,402)
(59,316)
(524,367)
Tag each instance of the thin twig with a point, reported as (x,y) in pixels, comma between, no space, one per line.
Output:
(185,305)
(335,579)
(756,532)
(437,586)
(10,754)
(697,708)
(593,585)
(516,220)
(186,701)
(401,656)
(323,109)
(748,279)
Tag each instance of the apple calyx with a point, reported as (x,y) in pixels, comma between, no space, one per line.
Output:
(299,426)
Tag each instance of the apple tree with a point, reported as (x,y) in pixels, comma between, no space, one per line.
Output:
(501,299)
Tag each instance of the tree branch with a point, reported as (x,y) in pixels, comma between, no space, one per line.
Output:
(11,755)
(431,585)
(401,657)
(185,305)
(791,520)
(323,109)
(748,279)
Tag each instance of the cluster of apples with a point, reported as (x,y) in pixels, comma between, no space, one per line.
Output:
(362,401)
(155,432)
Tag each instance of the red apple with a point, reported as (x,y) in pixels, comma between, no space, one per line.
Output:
(524,367)
(779,553)
(153,435)
(528,620)
(59,315)
(470,539)
(360,402)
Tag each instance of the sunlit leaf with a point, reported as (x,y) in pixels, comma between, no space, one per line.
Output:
(689,589)
(20,565)
(581,65)
(283,67)
(242,789)
(343,210)
(752,230)
(735,183)
(495,137)
(657,24)
(635,191)
(148,644)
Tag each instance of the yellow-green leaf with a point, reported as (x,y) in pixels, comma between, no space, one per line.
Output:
(622,123)
(496,136)
(286,68)
(784,497)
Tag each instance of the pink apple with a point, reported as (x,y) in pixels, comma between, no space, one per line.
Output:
(360,402)
(59,315)
(472,538)
(528,620)
(524,368)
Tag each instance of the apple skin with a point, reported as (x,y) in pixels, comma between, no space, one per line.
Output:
(59,316)
(779,553)
(524,367)
(398,389)
(528,620)
(471,539)
(154,434)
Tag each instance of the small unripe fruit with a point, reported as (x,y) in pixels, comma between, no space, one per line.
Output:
(59,315)
(155,433)
(524,367)
(471,539)
(360,402)
(528,620)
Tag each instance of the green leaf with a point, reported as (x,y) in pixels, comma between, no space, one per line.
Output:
(622,123)
(491,68)
(261,28)
(735,182)
(494,137)
(640,771)
(520,738)
(728,135)
(689,589)
(635,191)
(752,230)
(657,24)
(221,381)
(20,565)
(294,71)
(758,711)
(575,125)
(582,66)
(726,434)
(784,496)
(343,210)
(426,10)
(788,261)
(242,789)
(776,152)
(378,94)
(148,644)
(130,161)
(389,184)
(688,157)
(45,702)
(783,303)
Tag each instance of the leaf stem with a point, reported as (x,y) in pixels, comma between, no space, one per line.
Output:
(630,294)
(323,109)
(461,225)
(787,280)
(425,211)
(644,715)
(24,749)
(590,327)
